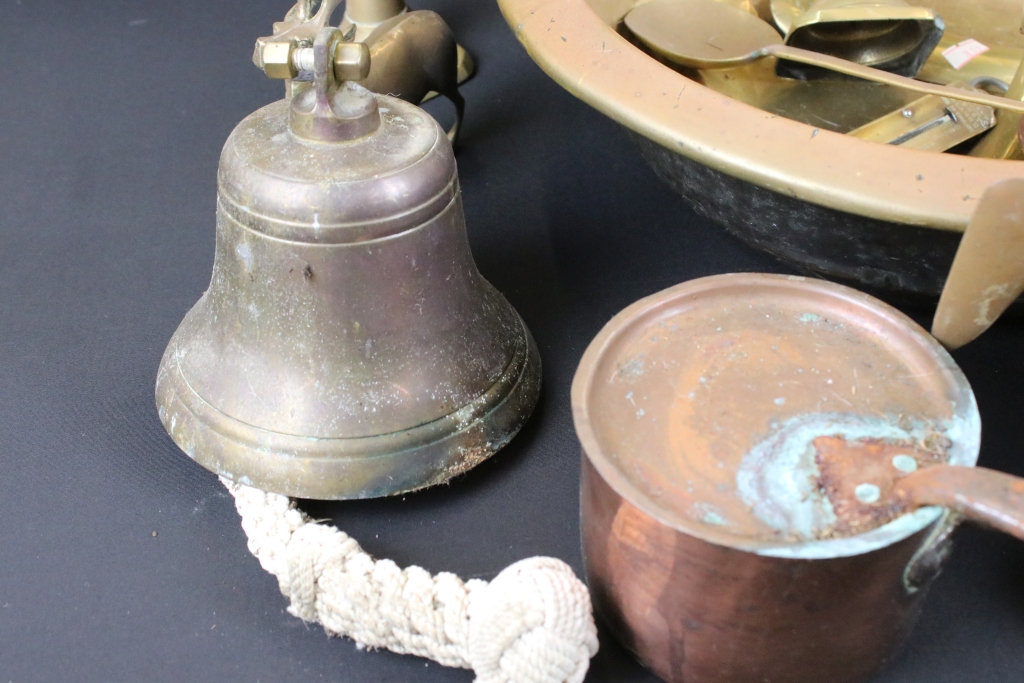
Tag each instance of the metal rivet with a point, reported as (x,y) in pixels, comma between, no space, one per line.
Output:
(907,113)
(904,463)
(867,493)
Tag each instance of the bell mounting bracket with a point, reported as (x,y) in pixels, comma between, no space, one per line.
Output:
(288,53)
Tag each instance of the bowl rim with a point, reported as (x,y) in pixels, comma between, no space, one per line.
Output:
(587,57)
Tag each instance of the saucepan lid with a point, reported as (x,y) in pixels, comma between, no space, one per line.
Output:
(682,392)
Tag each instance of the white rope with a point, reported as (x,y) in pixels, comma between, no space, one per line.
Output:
(531,624)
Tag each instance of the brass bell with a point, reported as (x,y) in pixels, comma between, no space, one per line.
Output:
(347,346)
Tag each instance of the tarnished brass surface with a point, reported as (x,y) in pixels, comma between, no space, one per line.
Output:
(676,398)
(988,271)
(1002,142)
(276,57)
(333,111)
(929,123)
(351,62)
(886,34)
(411,55)
(990,22)
(362,17)
(299,28)
(576,43)
(727,37)
(838,106)
(347,345)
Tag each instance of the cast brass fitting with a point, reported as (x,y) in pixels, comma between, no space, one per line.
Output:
(284,59)
(277,57)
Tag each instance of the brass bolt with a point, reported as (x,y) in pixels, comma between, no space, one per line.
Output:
(283,60)
(351,61)
(278,59)
(302,59)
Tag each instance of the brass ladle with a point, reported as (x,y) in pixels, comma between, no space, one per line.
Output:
(705,34)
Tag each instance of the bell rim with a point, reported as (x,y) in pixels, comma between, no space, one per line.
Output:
(341,468)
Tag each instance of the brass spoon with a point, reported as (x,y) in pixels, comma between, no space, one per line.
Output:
(988,270)
(705,34)
(785,12)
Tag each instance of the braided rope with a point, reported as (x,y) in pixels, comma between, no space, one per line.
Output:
(531,624)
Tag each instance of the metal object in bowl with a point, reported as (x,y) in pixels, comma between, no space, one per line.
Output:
(878,215)
(887,34)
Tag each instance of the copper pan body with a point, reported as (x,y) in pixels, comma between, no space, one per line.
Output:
(697,591)
(698,612)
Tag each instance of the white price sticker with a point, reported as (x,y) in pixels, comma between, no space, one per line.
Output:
(958,55)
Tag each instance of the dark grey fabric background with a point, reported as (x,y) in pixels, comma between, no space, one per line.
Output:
(112,116)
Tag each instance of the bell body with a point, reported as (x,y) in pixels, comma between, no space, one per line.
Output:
(347,346)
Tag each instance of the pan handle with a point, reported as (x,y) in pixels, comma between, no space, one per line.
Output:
(990,498)
(926,564)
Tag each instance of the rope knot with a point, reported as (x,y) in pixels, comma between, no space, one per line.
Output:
(531,624)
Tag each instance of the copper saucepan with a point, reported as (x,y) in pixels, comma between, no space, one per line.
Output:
(754,448)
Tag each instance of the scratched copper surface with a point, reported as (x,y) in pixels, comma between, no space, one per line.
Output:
(686,390)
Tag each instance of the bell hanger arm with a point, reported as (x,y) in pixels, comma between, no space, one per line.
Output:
(288,60)
(415,53)
(273,54)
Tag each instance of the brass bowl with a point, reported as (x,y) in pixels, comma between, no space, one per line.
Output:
(880,216)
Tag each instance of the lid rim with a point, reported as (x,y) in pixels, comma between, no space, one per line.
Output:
(583,385)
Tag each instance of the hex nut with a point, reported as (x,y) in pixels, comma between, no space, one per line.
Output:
(351,61)
(277,59)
